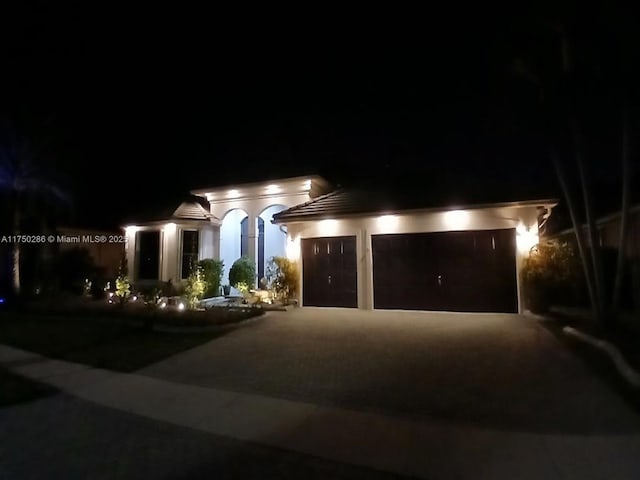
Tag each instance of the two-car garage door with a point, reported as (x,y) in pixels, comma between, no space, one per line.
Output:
(473,271)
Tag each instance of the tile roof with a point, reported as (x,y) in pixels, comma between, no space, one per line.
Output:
(353,202)
(191,211)
(193,208)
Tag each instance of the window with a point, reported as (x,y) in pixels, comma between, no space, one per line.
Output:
(244,237)
(148,255)
(189,251)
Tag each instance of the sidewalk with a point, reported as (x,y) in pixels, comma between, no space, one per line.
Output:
(421,449)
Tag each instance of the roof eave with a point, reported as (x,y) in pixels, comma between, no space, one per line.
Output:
(282,219)
(202,192)
(164,221)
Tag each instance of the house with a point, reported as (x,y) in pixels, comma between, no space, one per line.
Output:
(358,248)
(608,236)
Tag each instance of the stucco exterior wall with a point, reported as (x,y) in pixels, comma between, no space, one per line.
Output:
(362,228)
(170,251)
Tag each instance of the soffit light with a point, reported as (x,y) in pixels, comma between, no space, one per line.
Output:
(328,226)
(456,219)
(388,221)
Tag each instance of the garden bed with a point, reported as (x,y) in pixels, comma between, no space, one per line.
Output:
(139,314)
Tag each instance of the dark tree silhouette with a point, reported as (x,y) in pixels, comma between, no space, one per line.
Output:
(583,67)
(27,189)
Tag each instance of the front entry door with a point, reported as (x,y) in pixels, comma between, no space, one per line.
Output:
(329,272)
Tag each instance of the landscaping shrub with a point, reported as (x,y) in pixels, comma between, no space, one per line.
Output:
(196,286)
(243,270)
(212,274)
(123,288)
(551,268)
(283,276)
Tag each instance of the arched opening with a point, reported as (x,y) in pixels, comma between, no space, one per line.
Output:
(234,239)
(272,241)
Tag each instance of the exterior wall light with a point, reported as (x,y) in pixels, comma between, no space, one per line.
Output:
(292,249)
(526,238)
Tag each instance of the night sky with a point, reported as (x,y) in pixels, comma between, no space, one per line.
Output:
(132,109)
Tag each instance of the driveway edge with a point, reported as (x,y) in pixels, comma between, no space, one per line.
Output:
(626,371)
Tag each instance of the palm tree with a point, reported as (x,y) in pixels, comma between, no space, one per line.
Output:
(23,183)
(567,84)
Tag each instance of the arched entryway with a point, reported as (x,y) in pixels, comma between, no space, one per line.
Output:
(272,241)
(234,239)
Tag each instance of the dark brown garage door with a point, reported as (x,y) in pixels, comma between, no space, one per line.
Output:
(453,271)
(329,272)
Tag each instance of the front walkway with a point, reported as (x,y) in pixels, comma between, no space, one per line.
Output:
(425,449)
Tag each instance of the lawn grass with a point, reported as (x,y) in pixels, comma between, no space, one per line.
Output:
(102,343)
(16,389)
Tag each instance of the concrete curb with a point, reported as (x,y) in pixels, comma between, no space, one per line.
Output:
(206,328)
(628,373)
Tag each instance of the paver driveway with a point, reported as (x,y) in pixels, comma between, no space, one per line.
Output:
(493,370)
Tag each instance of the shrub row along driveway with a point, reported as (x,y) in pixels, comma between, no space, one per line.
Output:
(495,371)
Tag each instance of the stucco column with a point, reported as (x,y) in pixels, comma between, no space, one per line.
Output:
(169,249)
(130,248)
(216,242)
(253,241)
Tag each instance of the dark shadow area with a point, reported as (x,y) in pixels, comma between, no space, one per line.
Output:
(69,438)
(596,360)
(15,389)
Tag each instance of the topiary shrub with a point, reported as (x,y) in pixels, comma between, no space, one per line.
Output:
(283,276)
(212,273)
(243,270)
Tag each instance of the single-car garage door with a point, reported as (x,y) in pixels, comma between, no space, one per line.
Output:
(472,271)
(329,272)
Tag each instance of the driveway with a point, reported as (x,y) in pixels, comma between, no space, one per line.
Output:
(498,371)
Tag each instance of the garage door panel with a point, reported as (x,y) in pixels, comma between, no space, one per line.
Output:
(456,271)
(329,272)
